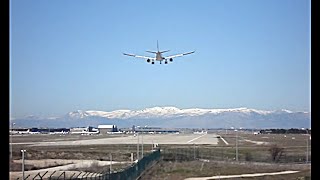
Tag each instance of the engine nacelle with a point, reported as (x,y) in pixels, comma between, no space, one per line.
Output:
(166,62)
(152,62)
(148,60)
(171,59)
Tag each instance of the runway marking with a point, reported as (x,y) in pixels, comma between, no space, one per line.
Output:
(256,142)
(242,175)
(224,140)
(196,138)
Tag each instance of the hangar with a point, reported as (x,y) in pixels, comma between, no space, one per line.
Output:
(104,129)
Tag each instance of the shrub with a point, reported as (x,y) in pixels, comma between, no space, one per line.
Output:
(275,152)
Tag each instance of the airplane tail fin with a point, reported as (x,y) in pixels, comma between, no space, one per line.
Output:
(157,46)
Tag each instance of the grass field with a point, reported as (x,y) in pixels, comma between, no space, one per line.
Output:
(184,155)
(174,170)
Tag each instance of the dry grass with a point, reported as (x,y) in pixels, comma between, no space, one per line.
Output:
(294,150)
(181,170)
(97,152)
(95,167)
(17,166)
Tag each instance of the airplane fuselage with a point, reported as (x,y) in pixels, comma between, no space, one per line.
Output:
(159,56)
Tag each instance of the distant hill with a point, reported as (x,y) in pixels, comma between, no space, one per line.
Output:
(175,118)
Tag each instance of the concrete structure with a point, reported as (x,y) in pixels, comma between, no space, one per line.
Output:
(104,129)
(79,130)
(84,130)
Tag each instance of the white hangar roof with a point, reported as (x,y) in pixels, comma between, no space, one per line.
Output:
(105,126)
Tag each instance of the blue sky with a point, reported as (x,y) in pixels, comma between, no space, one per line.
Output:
(67,55)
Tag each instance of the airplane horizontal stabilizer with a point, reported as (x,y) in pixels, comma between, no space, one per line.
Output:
(152,52)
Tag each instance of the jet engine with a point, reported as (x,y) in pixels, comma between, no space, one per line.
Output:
(171,59)
(148,60)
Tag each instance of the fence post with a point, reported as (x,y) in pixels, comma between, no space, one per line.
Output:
(23,151)
(131,157)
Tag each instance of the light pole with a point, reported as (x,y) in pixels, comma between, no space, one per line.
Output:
(307,150)
(308,137)
(142,145)
(23,151)
(138,146)
(307,154)
(236,141)
(236,145)
(110,163)
(11,129)
(194,151)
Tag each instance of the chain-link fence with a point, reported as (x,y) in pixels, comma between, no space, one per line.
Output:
(256,154)
(129,173)
(136,169)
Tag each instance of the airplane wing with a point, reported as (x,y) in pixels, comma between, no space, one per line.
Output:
(137,56)
(179,55)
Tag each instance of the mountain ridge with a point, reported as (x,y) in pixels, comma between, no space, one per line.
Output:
(169,116)
(160,111)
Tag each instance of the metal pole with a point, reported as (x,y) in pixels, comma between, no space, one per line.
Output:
(11,132)
(307,149)
(138,146)
(194,151)
(23,151)
(110,162)
(152,145)
(307,153)
(12,126)
(237,146)
(142,145)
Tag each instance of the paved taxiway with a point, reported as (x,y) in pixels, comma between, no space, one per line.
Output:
(147,139)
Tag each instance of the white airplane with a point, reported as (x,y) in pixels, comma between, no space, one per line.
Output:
(159,56)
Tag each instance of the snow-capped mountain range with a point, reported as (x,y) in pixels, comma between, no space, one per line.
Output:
(175,117)
(164,112)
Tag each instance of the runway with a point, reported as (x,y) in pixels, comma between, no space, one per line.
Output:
(146,138)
